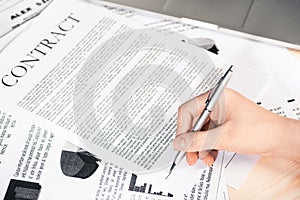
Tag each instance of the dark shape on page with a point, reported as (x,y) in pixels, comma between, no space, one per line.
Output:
(145,188)
(205,43)
(78,164)
(18,189)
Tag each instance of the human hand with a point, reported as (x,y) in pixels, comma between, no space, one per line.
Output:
(247,129)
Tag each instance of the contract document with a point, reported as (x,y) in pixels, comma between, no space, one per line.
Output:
(112,82)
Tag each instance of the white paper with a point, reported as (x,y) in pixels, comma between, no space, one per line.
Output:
(32,163)
(241,53)
(282,67)
(238,169)
(258,65)
(254,61)
(56,55)
(236,55)
(212,182)
(111,92)
(38,157)
(182,179)
(272,62)
(245,72)
(14,13)
(8,38)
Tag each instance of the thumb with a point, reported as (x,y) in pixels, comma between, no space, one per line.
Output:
(197,141)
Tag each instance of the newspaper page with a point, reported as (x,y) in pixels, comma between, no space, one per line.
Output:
(87,70)
(38,161)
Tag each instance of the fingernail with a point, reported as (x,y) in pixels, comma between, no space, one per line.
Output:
(179,144)
(208,161)
(205,162)
(190,163)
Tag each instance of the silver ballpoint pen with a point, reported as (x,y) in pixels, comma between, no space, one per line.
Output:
(211,101)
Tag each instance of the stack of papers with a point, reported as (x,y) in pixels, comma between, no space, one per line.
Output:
(90,97)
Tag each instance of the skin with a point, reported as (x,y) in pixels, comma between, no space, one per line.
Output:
(247,129)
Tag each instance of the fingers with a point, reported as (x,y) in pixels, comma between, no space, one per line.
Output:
(207,157)
(210,157)
(191,157)
(189,112)
(198,141)
(208,160)
(193,142)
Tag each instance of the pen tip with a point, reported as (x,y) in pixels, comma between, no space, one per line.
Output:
(168,175)
(172,167)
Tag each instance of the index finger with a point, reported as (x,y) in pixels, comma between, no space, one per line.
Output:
(189,112)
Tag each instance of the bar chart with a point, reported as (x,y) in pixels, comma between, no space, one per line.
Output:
(144,188)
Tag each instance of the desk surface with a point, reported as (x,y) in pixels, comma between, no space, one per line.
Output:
(271,178)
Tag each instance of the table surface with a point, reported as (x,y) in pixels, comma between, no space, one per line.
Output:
(271,178)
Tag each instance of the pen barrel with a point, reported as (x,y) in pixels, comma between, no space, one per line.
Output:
(201,120)
(219,90)
(215,98)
